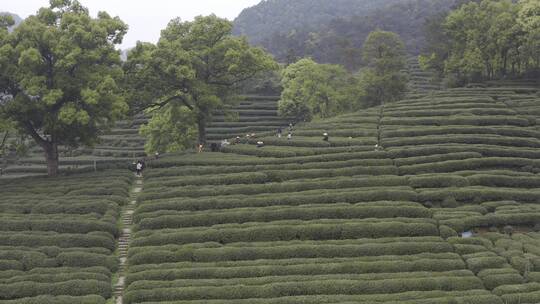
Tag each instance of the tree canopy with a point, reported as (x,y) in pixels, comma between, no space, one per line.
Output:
(316,90)
(194,70)
(382,80)
(60,74)
(486,40)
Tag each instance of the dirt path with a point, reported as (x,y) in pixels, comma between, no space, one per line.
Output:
(125,237)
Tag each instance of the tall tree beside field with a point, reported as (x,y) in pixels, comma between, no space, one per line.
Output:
(382,80)
(195,69)
(316,90)
(59,75)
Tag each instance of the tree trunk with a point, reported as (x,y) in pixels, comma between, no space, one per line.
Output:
(4,140)
(201,125)
(505,63)
(51,154)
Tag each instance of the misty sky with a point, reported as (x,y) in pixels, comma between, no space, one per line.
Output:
(145,18)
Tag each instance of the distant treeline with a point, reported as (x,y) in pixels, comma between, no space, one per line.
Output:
(485,40)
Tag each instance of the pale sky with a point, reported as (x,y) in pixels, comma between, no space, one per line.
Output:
(146,18)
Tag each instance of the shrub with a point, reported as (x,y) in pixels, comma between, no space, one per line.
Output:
(308,268)
(60,240)
(70,288)
(277,232)
(305,288)
(60,277)
(10,264)
(288,252)
(447,232)
(438,181)
(84,259)
(91,299)
(493,281)
(171,219)
(480,263)
(284,199)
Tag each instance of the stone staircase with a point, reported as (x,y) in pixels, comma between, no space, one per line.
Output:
(123,240)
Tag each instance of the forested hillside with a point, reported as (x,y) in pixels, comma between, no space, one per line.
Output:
(334,32)
(260,22)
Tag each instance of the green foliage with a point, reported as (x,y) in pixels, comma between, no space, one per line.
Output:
(70,288)
(312,287)
(316,90)
(62,73)
(485,40)
(173,128)
(194,70)
(382,81)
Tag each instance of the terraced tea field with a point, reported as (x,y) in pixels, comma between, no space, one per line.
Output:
(57,237)
(310,221)
(421,81)
(117,148)
(123,144)
(255,114)
(373,215)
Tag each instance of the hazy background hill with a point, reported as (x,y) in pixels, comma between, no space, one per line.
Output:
(334,31)
(271,17)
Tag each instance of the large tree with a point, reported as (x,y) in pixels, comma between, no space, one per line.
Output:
(58,76)
(316,90)
(382,79)
(196,67)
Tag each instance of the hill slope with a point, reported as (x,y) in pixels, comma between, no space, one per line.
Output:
(282,16)
(334,31)
(303,220)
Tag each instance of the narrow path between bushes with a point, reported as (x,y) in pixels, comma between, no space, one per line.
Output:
(125,237)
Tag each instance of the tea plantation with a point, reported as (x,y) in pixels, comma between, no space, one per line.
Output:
(373,215)
(119,146)
(343,221)
(57,237)
(254,114)
(123,144)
